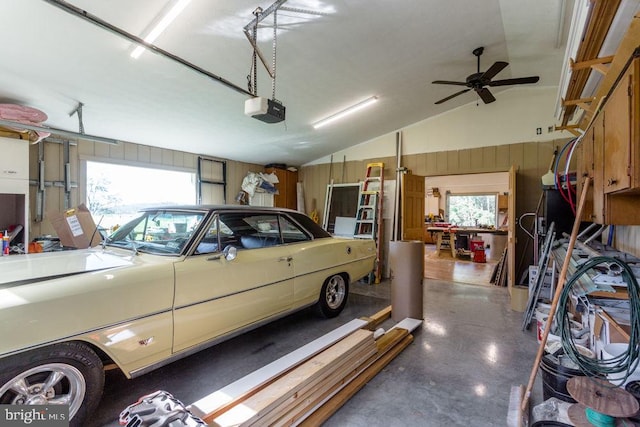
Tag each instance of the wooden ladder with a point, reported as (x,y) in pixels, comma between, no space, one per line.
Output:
(369,213)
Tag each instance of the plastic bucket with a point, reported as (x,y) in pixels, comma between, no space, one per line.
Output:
(613,350)
(555,378)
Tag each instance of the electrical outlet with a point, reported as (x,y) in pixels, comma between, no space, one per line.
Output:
(538,131)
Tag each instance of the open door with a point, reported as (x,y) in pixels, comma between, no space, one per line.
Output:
(511,228)
(412,214)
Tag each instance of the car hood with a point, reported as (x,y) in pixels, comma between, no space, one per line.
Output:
(22,269)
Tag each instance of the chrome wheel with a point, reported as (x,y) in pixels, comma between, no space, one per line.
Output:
(52,383)
(335,292)
(333,296)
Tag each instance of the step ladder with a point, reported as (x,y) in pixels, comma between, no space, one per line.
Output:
(369,213)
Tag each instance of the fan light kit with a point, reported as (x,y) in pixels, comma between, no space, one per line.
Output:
(479,80)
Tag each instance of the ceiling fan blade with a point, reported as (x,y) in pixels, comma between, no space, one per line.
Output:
(494,70)
(517,81)
(485,95)
(452,96)
(447,82)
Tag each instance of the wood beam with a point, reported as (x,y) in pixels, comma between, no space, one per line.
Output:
(578,101)
(628,45)
(572,129)
(601,17)
(601,68)
(590,63)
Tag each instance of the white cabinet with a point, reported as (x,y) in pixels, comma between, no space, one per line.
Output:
(14,186)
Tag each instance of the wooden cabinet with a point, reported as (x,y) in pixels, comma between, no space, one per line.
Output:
(287,196)
(584,154)
(503,202)
(610,154)
(14,186)
(618,119)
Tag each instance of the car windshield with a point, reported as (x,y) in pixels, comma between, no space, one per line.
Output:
(158,232)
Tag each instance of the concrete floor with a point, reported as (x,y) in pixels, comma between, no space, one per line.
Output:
(458,371)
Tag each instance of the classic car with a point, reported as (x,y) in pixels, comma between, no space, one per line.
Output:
(169,283)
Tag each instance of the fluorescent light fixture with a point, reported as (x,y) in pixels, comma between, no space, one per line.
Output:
(347,111)
(162,25)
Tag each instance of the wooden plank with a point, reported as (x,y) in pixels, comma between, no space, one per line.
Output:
(274,393)
(214,404)
(396,337)
(590,63)
(329,407)
(297,404)
(408,323)
(374,321)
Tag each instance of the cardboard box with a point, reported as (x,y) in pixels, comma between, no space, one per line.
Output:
(75,227)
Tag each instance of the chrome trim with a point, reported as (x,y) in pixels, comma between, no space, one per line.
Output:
(214,341)
(230,294)
(78,334)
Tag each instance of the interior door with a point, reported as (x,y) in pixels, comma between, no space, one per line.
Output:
(215,296)
(511,231)
(412,214)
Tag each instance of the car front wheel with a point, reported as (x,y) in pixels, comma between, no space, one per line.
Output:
(333,296)
(67,374)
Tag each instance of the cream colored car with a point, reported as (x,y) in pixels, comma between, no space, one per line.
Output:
(170,283)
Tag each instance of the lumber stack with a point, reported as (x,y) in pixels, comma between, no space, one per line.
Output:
(310,392)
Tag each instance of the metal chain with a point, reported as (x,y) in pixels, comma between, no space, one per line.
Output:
(256,13)
(273,63)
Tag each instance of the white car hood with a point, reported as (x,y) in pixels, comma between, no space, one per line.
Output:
(19,269)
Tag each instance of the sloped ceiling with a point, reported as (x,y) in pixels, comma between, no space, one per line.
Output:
(52,60)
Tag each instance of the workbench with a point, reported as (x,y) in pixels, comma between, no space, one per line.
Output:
(446,236)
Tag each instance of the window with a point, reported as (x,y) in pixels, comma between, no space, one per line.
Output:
(116,193)
(472,210)
(157,232)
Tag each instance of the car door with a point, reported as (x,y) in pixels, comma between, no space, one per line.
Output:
(216,295)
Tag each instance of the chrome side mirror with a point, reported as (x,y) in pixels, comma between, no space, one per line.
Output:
(230,253)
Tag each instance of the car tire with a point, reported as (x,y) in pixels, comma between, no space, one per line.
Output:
(79,378)
(333,296)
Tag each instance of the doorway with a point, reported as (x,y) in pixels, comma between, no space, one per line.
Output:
(474,205)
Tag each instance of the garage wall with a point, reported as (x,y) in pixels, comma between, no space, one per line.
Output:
(123,153)
(530,159)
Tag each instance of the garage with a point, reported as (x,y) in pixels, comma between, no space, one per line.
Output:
(327,212)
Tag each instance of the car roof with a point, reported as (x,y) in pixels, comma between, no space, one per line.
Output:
(211,208)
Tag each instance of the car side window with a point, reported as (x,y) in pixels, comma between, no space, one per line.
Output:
(209,242)
(291,233)
(250,230)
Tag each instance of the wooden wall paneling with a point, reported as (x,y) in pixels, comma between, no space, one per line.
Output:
(502,157)
(130,152)
(85,148)
(453,160)
(155,155)
(116,151)
(476,159)
(101,150)
(422,164)
(464,160)
(144,154)
(441,163)
(168,157)
(411,162)
(489,158)
(432,164)
(626,239)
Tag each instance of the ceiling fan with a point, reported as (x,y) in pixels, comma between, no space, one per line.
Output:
(478,81)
